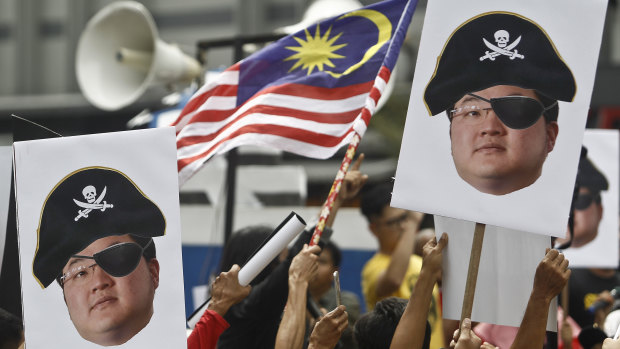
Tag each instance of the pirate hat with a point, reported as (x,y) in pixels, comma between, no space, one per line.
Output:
(89,204)
(588,176)
(498,48)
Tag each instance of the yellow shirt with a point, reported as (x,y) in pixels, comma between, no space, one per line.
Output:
(377,265)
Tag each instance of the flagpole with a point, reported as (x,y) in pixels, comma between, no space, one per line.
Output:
(333,192)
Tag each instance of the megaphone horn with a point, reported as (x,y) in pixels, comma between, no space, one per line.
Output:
(119,56)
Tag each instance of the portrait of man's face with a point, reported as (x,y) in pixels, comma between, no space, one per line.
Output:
(109,310)
(587,217)
(489,155)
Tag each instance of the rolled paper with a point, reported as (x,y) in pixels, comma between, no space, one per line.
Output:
(284,234)
(281,237)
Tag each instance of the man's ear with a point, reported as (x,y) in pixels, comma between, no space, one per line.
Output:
(153,266)
(552,130)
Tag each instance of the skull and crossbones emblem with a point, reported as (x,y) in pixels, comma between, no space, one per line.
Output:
(502,37)
(92,202)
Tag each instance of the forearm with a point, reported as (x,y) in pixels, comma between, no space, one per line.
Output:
(412,325)
(393,276)
(532,331)
(292,327)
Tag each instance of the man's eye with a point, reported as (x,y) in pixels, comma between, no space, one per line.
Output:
(472,113)
(81,273)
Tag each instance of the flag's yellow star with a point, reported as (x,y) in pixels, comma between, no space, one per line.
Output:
(316,51)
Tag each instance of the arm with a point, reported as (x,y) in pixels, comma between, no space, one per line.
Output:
(390,280)
(225,292)
(292,327)
(412,325)
(550,278)
(353,181)
(328,330)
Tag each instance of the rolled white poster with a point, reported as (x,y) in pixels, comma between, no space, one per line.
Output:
(282,236)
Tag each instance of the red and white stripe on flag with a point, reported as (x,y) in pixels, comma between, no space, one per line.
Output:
(301,119)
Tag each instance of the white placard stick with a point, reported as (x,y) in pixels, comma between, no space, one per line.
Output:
(472,272)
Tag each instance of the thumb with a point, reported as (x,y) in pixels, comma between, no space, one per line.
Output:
(466,328)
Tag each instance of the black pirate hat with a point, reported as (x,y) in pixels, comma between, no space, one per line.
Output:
(589,176)
(498,48)
(89,204)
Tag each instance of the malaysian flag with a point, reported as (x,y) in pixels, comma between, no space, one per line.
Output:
(307,93)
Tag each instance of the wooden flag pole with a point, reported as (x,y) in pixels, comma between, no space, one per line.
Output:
(472,272)
(333,192)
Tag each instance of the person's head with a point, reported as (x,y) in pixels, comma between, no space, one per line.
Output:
(588,207)
(106,309)
(328,262)
(499,79)
(241,246)
(386,223)
(95,238)
(11,330)
(492,157)
(375,329)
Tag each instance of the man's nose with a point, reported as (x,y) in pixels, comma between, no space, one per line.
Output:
(100,279)
(492,125)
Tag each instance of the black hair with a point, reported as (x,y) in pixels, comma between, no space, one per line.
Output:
(335,252)
(375,329)
(11,329)
(242,245)
(375,199)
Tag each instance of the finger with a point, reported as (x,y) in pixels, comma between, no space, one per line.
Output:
(564,264)
(453,343)
(443,241)
(234,269)
(358,162)
(465,328)
(314,249)
(559,259)
(455,335)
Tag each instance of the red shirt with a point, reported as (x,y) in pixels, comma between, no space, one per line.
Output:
(207,331)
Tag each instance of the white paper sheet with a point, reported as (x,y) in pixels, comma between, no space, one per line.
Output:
(148,157)
(505,276)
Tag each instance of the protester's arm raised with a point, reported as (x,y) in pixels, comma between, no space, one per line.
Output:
(551,276)
(292,327)
(412,325)
(390,280)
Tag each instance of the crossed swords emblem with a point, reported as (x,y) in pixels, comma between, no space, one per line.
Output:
(96,205)
(506,51)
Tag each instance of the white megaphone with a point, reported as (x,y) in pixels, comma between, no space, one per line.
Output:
(119,56)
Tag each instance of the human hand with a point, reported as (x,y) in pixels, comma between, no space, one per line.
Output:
(226,291)
(551,275)
(353,181)
(487,345)
(465,338)
(305,264)
(611,344)
(432,253)
(328,330)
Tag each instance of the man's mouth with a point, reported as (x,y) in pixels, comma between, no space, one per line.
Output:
(103,302)
(490,148)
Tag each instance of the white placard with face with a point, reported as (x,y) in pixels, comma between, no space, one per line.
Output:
(477,168)
(596,226)
(94,304)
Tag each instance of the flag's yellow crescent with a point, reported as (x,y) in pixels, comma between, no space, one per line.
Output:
(385,30)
